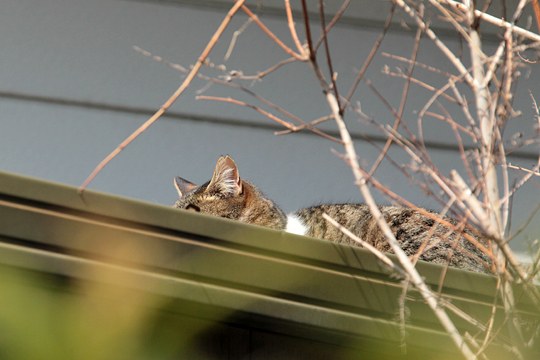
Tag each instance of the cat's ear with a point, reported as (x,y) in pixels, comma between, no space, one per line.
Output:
(183,186)
(226,178)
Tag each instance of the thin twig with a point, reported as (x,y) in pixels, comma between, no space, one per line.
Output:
(292,28)
(167,104)
(271,35)
(269,115)
(334,21)
(487,336)
(235,37)
(419,64)
(251,106)
(536,7)
(307,125)
(415,277)
(481,217)
(448,120)
(380,255)
(227,82)
(360,75)
(495,20)
(431,34)
(395,197)
(529,171)
(328,55)
(262,74)
(525,224)
(361,182)
(418,82)
(392,266)
(436,94)
(403,102)
(528,174)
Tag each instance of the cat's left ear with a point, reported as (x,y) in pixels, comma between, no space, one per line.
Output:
(183,186)
(226,178)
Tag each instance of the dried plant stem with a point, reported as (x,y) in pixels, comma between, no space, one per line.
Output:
(444,49)
(334,21)
(528,171)
(328,56)
(494,20)
(408,267)
(235,37)
(292,28)
(420,83)
(271,35)
(392,266)
(402,103)
(269,115)
(489,134)
(470,202)
(487,336)
(418,64)
(453,124)
(167,104)
(487,130)
(380,255)
(536,7)
(307,125)
(361,182)
(360,75)
(428,215)
(488,127)
(262,74)
(245,104)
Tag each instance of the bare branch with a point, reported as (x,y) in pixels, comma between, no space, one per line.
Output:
(334,21)
(481,218)
(292,28)
(269,115)
(403,102)
(271,35)
(381,256)
(234,38)
(328,56)
(415,277)
(494,20)
(262,74)
(536,7)
(419,82)
(245,104)
(308,125)
(369,59)
(226,80)
(444,49)
(167,104)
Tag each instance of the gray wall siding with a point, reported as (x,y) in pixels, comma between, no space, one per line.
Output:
(72,88)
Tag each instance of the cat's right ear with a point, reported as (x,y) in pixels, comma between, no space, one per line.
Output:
(226,179)
(183,186)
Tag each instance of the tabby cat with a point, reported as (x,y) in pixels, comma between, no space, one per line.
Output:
(227,195)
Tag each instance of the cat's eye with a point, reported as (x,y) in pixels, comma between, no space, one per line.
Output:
(192,207)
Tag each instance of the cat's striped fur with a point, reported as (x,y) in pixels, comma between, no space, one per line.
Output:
(227,195)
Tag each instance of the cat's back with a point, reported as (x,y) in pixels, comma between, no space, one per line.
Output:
(354,217)
(414,231)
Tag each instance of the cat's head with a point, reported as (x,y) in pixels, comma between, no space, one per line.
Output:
(228,196)
(222,196)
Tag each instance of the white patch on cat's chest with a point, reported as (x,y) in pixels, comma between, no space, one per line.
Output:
(295,225)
